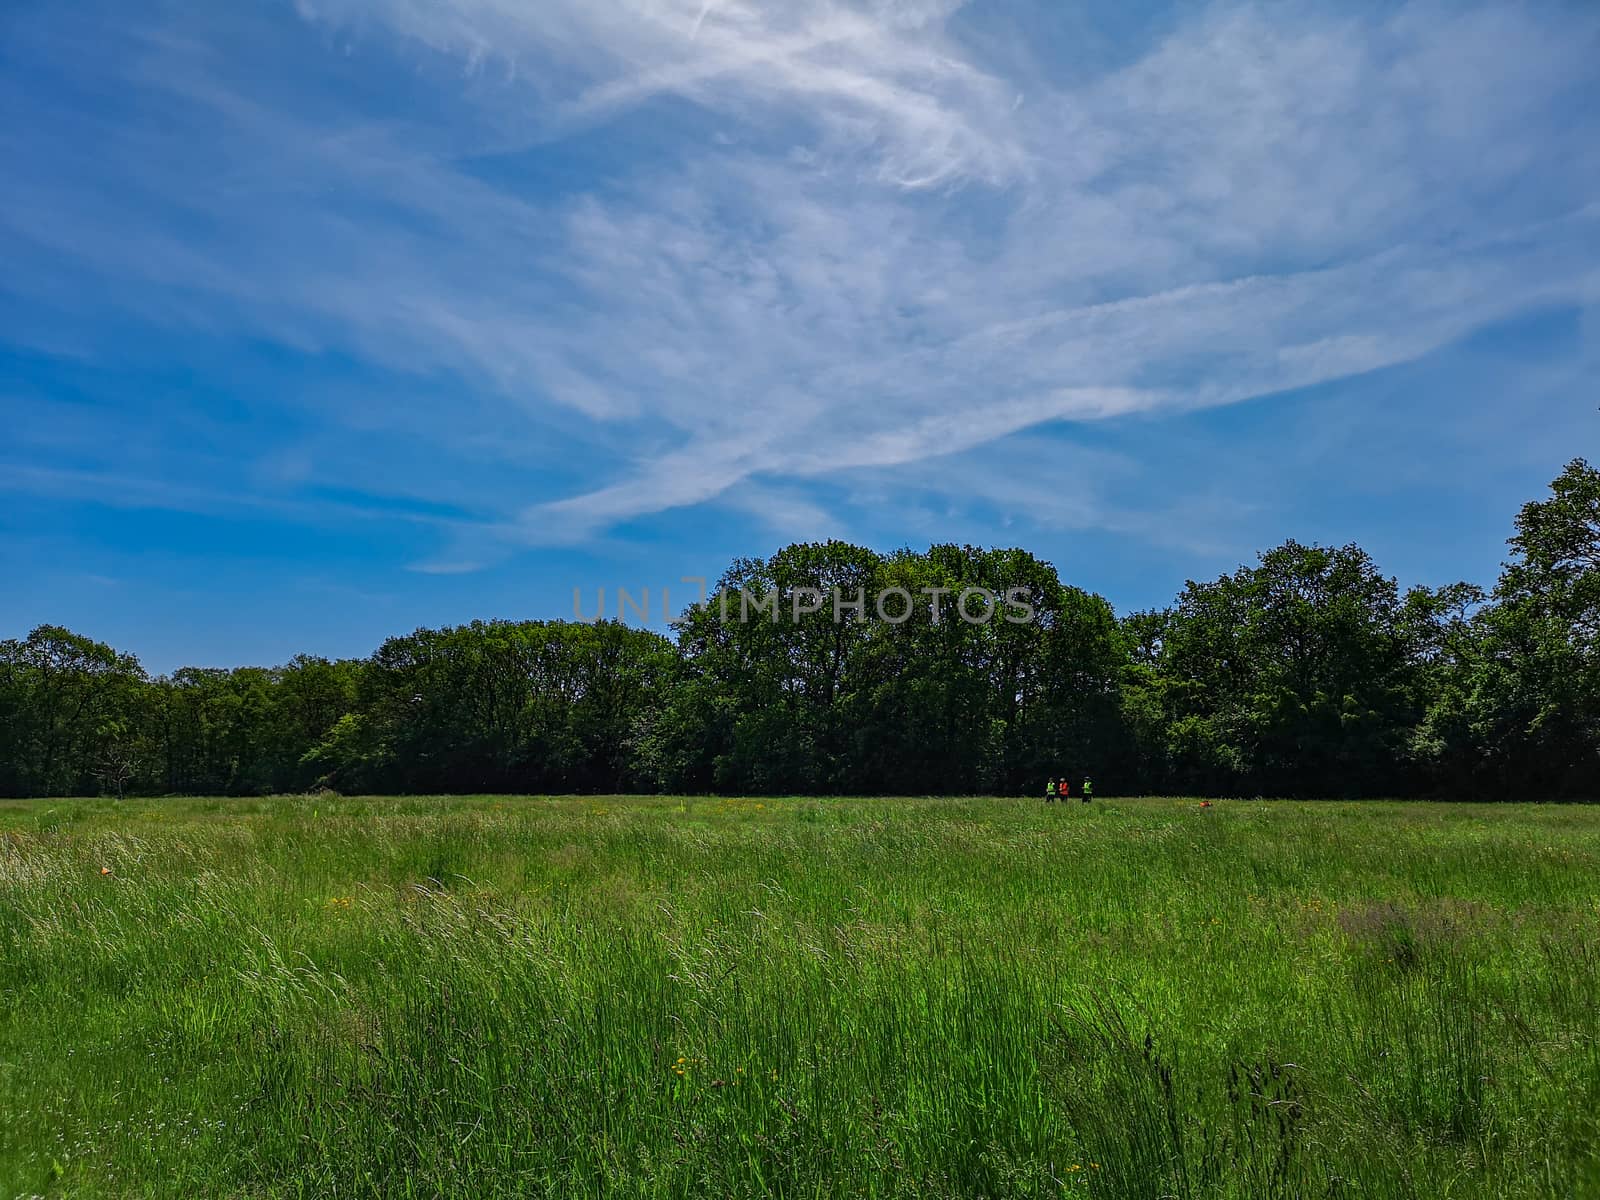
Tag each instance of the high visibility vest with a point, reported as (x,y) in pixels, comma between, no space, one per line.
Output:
(1088,788)
(1050,788)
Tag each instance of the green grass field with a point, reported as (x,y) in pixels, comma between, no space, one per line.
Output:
(791,997)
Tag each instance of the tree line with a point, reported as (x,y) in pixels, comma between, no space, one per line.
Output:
(1307,673)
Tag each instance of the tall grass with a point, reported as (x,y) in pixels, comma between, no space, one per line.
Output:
(704,997)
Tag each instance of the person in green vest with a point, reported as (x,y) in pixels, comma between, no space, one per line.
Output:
(1088,789)
(1050,791)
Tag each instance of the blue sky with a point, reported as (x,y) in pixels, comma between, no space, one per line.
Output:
(323,320)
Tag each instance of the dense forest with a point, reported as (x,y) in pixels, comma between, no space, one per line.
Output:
(1309,673)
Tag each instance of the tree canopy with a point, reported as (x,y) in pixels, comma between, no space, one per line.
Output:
(832,668)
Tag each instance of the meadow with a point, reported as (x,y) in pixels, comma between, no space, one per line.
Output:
(692,997)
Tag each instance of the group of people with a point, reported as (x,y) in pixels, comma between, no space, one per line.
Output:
(1062,790)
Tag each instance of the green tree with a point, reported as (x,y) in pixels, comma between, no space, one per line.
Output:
(500,705)
(1295,676)
(896,691)
(1517,715)
(63,699)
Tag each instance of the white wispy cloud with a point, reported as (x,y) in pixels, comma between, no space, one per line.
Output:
(874,242)
(881,78)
